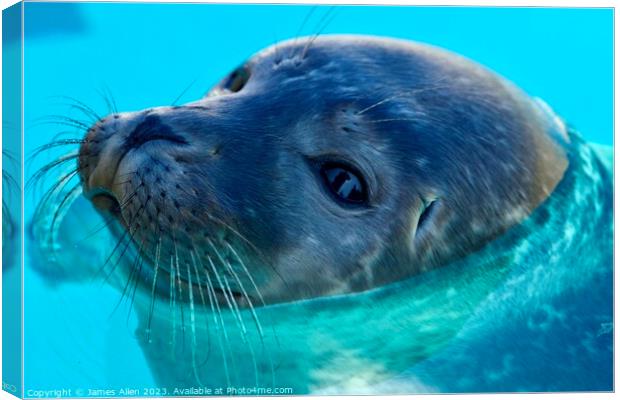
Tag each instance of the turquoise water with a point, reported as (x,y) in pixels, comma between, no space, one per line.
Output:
(149,55)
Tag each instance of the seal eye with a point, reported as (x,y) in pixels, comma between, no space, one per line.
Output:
(345,183)
(237,80)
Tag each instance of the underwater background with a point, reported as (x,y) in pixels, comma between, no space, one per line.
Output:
(155,54)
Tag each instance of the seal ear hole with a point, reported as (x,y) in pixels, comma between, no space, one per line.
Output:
(428,209)
(345,182)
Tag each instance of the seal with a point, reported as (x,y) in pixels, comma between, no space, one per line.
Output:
(352,214)
(324,166)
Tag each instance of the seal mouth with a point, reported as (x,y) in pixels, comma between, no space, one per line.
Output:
(105,201)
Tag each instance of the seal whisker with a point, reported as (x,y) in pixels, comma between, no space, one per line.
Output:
(247,241)
(97,229)
(188,87)
(215,306)
(242,264)
(222,288)
(41,173)
(118,260)
(132,233)
(303,23)
(68,135)
(53,118)
(192,322)
(52,192)
(152,306)
(107,97)
(234,303)
(57,143)
(87,113)
(67,200)
(180,289)
(61,120)
(240,318)
(115,211)
(61,208)
(79,105)
(125,202)
(118,243)
(132,271)
(251,306)
(234,231)
(332,10)
(226,291)
(173,307)
(55,189)
(406,93)
(135,286)
(193,256)
(245,293)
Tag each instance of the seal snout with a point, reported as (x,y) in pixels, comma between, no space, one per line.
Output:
(109,142)
(151,129)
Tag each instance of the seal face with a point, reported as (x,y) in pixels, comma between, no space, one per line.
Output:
(323,166)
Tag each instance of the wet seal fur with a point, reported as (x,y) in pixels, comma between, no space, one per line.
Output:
(237,230)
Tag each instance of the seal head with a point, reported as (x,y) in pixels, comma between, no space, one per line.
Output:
(325,166)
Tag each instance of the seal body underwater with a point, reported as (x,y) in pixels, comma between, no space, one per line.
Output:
(339,211)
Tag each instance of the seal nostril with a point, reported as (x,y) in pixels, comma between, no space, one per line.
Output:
(149,130)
